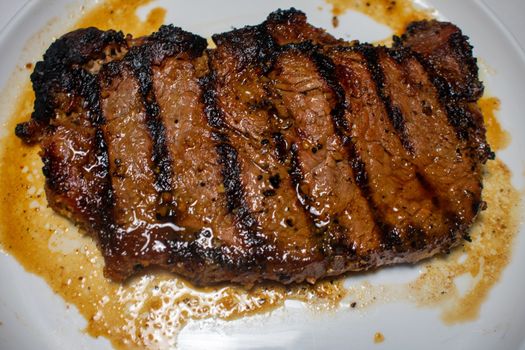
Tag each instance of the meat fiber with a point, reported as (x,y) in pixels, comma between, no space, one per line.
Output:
(283,154)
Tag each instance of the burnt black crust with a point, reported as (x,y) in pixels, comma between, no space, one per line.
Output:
(286,17)
(170,41)
(102,218)
(251,46)
(54,74)
(84,86)
(196,254)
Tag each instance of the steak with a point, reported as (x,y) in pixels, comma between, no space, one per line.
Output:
(282,154)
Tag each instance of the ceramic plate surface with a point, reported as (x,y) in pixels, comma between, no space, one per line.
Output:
(33,317)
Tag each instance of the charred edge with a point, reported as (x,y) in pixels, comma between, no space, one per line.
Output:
(457,227)
(30,131)
(109,72)
(458,115)
(53,73)
(200,252)
(306,48)
(461,118)
(89,89)
(416,238)
(169,41)
(460,46)
(251,46)
(293,26)
(51,181)
(285,16)
(235,195)
(139,60)
(472,89)
(22,130)
(371,55)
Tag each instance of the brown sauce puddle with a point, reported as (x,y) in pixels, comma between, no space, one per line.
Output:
(150,310)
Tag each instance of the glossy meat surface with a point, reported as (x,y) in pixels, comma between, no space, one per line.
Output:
(283,154)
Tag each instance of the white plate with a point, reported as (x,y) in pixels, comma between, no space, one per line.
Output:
(32,317)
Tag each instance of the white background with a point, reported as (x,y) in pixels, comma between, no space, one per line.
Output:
(510,12)
(46,325)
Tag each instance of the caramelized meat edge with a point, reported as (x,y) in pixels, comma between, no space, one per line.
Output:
(284,154)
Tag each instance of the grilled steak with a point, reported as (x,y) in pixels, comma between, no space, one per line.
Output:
(283,154)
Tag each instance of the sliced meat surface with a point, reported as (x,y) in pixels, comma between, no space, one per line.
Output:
(402,204)
(446,55)
(250,123)
(319,163)
(282,154)
(439,155)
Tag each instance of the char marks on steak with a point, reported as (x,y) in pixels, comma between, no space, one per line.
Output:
(282,154)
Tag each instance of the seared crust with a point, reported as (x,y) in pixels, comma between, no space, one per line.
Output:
(57,73)
(446,55)
(284,154)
